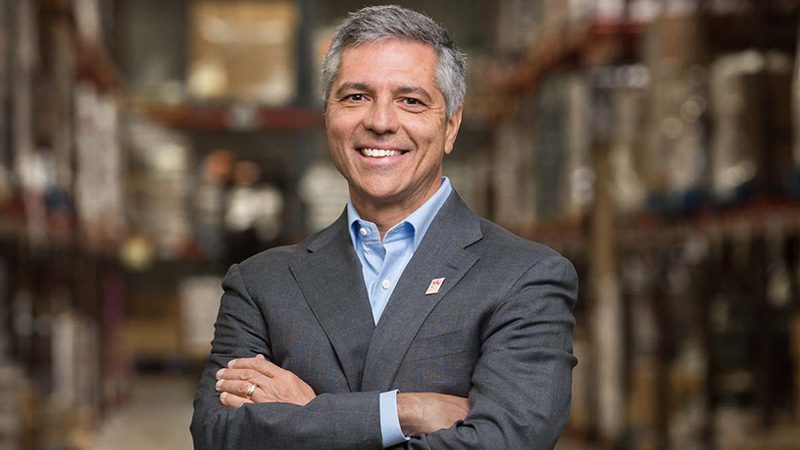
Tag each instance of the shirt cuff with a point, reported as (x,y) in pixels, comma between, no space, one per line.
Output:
(390,421)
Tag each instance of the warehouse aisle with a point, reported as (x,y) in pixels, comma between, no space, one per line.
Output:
(157,417)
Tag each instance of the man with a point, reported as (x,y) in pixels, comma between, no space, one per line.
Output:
(409,322)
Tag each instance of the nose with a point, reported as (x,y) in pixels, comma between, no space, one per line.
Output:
(381,118)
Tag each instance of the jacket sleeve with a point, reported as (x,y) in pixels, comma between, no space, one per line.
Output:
(331,421)
(522,382)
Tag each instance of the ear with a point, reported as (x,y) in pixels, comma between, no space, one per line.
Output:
(453,124)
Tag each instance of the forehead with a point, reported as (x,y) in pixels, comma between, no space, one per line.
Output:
(389,61)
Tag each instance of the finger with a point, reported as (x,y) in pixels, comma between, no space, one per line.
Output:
(240,388)
(235,387)
(250,375)
(233,401)
(252,363)
(242,362)
(266,366)
(259,363)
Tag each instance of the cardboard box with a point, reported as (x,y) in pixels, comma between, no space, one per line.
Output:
(243,51)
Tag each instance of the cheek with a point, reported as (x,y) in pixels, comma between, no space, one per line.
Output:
(338,139)
(338,156)
(422,132)
(432,139)
(339,124)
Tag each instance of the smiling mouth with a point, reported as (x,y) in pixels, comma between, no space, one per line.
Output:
(379,152)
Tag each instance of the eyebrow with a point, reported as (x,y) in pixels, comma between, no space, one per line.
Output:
(351,86)
(402,90)
(415,90)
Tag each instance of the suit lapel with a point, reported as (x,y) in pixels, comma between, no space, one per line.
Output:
(441,254)
(329,275)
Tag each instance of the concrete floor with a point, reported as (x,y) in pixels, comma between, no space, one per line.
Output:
(156,418)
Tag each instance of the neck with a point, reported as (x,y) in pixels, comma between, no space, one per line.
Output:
(387,214)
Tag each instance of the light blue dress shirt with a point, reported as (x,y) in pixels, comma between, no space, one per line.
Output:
(382,263)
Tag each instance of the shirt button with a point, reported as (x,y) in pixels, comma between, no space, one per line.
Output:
(363,231)
(385,284)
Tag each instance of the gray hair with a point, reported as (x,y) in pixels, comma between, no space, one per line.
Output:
(376,23)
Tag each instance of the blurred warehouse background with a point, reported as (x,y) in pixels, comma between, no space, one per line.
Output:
(145,145)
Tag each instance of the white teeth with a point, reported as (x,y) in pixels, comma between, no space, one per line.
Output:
(379,153)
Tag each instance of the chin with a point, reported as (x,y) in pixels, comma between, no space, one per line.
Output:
(381,193)
(381,196)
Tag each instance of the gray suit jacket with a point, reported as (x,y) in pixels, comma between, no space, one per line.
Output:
(498,331)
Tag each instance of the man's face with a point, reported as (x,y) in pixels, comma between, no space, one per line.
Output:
(386,123)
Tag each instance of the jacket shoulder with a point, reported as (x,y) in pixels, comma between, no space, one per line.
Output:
(497,240)
(516,256)
(269,257)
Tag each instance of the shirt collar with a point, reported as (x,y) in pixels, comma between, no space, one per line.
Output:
(420,220)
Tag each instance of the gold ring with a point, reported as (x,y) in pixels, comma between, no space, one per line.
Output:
(250,389)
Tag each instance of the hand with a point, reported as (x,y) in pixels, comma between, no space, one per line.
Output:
(273,384)
(426,412)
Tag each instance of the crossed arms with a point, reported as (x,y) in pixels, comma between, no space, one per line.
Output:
(519,398)
(419,412)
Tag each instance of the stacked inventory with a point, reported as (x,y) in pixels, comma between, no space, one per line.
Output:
(61,215)
(652,142)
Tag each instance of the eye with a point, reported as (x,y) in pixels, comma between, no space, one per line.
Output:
(355,97)
(410,101)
